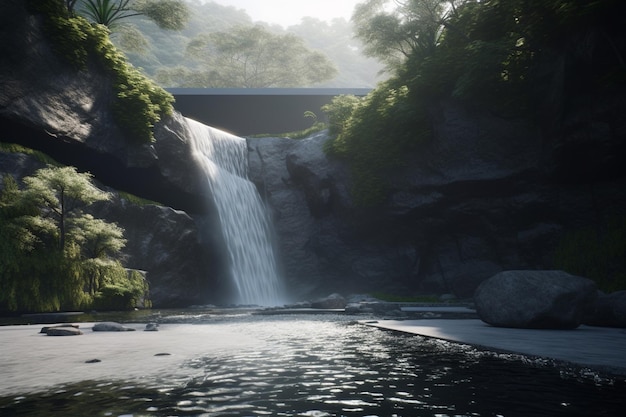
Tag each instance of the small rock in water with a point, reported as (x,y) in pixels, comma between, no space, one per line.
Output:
(110,326)
(63,331)
(152,327)
(46,328)
(93,361)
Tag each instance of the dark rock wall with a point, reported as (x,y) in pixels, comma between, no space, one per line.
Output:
(486,194)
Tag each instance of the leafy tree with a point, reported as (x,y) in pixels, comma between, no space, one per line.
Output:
(519,58)
(167,14)
(394,30)
(250,56)
(53,255)
(60,194)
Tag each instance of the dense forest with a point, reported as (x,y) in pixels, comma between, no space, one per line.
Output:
(185,58)
(516,58)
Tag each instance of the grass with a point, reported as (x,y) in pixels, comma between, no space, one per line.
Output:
(40,156)
(300,134)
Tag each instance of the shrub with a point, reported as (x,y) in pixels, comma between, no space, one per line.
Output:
(374,135)
(139,102)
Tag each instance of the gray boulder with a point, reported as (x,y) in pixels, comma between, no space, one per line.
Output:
(62,330)
(535,299)
(111,326)
(152,327)
(609,310)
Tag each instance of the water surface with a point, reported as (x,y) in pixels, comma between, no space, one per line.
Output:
(331,366)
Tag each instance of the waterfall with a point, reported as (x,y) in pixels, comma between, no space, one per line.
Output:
(244,220)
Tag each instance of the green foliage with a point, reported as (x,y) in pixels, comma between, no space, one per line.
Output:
(166,56)
(339,111)
(596,253)
(299,134)
(53,256)
(40,156)
(139,103)
(496,54)
(251,57)
(396,30)
(120,289)
(106,12)
(138,201)
(167,14)
(377,134)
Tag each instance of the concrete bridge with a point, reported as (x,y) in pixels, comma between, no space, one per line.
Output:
(250,111)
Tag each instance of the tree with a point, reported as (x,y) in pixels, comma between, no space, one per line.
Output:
(51,250)
(60,194)
(250,56)
(167,14)
(394,30)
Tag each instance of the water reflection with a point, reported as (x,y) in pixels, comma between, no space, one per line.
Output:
(319,366)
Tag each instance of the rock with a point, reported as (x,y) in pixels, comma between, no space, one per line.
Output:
(333,301)
(299,304)
(609,310)
(46,328)
(110,326)
(63,331)
(447,297)
(152,327)
(535,299)
(376,307)
(168,244)
(488,193)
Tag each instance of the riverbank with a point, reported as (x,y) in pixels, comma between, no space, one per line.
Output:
(32,362)
(599,348)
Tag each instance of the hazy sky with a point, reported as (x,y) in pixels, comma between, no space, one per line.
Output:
(289,12)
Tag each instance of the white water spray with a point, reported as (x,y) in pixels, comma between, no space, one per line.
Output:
(243,218)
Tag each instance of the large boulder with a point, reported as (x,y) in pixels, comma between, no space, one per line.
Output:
(609,310)
(535,299)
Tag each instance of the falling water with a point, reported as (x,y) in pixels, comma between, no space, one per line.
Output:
(243,218)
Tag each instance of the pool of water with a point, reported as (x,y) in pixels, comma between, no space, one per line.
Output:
(317,366)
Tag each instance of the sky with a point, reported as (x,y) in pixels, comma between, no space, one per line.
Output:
(289,12)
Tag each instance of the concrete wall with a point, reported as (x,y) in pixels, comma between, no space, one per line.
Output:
(250,111)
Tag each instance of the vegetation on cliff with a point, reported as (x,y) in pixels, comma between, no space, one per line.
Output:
(139,103)
(514,58)
(53,255)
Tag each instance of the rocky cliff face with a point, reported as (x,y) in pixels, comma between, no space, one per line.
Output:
(487,194)
(65,113)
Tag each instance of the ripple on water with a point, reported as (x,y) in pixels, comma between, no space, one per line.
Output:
(317,367)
